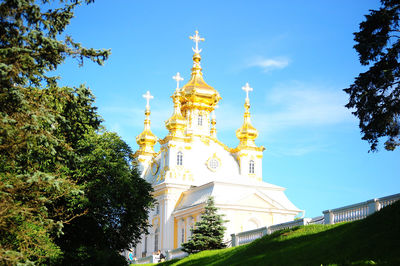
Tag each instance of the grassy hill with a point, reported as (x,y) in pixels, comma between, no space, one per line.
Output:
(374,240)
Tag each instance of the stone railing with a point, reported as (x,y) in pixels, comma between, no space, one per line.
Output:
(175,254)
(169,254)
(248,236)
(146,260)
(348,213)
(287,225)
(317,220)
(359,210)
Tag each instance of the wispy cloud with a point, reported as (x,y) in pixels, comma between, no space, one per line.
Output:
(296,104)
(268,64)
(292,104)
(293,112)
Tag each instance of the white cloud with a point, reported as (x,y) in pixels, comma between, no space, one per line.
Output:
(295,114)
(291,105)
(268,64)
(297,104)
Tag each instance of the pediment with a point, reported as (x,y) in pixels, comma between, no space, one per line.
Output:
(254,200)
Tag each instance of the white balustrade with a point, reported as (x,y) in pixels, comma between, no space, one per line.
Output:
(249,236)
(146,260)
(175,254)
(359,210)
(344,214)
(287,225)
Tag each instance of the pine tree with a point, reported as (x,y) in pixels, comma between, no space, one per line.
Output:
(208,233)
(375,94)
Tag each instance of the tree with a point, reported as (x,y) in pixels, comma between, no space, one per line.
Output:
(38,130)
(208,233)
(47,132)
(118,201)
(375,94)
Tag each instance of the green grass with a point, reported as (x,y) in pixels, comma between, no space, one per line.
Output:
(374,240)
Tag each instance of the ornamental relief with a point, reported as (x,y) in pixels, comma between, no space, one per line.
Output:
(213,163)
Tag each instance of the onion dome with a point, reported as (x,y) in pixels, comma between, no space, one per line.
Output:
(146,140)
(197,93)
(176,123)
(247,133)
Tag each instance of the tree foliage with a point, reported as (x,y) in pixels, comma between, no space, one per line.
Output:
(375,94)
(57,168)
(117,203)
(208,233)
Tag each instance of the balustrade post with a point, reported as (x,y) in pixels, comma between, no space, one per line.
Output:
(329,217)
(373,206)
(264,231)
(234,240)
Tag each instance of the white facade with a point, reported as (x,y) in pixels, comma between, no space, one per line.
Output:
(193,164)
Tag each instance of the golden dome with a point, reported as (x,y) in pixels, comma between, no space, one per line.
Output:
(197,93)
(176,123)
(247,133)
(146,140)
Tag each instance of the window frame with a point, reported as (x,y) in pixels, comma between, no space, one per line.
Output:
(251,167)
(179,158)
(200,120)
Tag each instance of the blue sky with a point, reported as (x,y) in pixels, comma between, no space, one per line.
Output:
(297,55)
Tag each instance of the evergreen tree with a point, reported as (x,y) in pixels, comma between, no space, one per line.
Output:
(58,170)
(375,94)
(208,233)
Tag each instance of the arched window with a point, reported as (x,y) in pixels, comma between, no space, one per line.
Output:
(179,158)
(251,167)
(200,120)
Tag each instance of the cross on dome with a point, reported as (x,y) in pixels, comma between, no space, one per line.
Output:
(178,78)
(196,38)
(247,89)
(148,97)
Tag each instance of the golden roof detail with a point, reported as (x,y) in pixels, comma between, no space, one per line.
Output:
(247,133)
(197,93)
(146,140)
(213,130)
(176,123)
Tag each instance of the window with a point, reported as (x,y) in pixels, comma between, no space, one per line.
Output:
(183,235)
(156,236)
(157,209)
(251,167)
(179,158)
(213,163)
(200,120)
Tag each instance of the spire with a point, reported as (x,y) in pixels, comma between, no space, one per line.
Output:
(247,133)
(146,140)
(176,123)
(196,69)
(197,93)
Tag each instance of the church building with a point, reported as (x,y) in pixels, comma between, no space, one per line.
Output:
(193,164)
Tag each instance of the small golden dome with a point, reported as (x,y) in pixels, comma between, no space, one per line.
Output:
(247,133)
(146,140)
(176,123)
